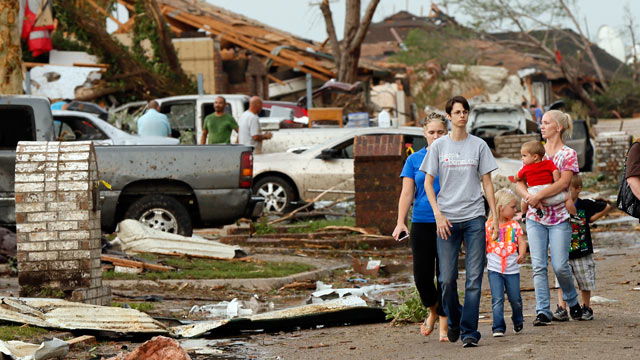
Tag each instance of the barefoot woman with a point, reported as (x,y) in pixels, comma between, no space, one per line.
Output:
(423,228)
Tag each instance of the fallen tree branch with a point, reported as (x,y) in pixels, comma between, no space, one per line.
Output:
(134,264)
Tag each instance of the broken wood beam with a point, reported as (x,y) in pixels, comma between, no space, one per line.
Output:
(134,264)
(231,34)
(84,339)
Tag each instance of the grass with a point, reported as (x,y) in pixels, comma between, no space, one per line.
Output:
(315,225)
(138,306)
(194,268)
(20,332)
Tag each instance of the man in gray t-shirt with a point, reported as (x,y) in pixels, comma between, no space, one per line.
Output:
(464,164)
(460,165)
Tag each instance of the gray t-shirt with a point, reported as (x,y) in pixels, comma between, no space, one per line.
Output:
(460,165)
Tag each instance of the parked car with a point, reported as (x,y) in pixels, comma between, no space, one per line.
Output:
(80,126)
(288,178)
(581,141)
(171,188)
(488,120)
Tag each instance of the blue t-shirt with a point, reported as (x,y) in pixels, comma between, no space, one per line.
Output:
(422,212)
(153,123)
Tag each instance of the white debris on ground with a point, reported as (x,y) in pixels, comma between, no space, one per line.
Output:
(135,237)
(222,310)
(49,349)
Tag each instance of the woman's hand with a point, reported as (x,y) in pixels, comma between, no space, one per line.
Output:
(398,230)
(533,200)
(443,226)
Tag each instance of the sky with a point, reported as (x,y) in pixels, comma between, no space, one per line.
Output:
(304,19)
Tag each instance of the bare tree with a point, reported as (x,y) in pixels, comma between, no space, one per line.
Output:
(10,49)
(347,52)
(630,24)
(531,18)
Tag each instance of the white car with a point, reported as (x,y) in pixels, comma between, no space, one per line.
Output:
(286,178)
(79,126)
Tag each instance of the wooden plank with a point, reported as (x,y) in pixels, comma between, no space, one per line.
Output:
(30,65)
(84,339)
(134,264)
(104,12)
(275,79)
(102,66)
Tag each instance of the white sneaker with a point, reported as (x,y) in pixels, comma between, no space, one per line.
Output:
(498,334)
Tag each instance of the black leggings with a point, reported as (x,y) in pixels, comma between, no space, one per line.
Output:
(425,260)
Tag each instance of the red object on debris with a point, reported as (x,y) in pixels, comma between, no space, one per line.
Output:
(558,57)
(39,37)
(158,348)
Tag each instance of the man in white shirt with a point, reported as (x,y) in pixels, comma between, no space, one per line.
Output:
(249,132)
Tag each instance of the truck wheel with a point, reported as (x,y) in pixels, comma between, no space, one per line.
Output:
(161,212)
(277,193)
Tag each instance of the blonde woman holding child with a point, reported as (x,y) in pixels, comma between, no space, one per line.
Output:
(423,228)
(551,232)
(504,255)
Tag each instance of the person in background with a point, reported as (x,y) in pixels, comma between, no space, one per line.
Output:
(504,255)
(464,164)
(249,131)
(536,114)
(633,169)
(154,123)
(581,259)
(423,228)
(218,126)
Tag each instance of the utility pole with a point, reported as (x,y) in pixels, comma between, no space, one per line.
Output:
(11,52)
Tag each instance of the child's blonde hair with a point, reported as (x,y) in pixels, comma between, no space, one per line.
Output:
(576,181)
(503,198)
(563,119)
(534,147)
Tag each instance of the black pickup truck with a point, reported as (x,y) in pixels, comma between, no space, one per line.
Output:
(169,187)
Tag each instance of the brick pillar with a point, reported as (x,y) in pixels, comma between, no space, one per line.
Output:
(378,161)
(509,145)
(58,220)
(611,152)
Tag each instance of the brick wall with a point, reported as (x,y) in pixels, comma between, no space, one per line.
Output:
(509,145)
(58,225)
(378,162)
(256,80)
(611,152)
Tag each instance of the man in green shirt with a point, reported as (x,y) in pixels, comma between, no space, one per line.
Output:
(218,125)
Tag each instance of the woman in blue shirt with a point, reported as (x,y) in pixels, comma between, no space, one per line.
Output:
(423,227)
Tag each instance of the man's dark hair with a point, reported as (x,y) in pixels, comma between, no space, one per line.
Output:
(456,99)
(533,106)
(223,99)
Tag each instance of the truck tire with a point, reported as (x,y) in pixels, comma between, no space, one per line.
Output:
(161,212)
(277,192)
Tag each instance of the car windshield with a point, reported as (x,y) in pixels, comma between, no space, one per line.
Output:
(503,117)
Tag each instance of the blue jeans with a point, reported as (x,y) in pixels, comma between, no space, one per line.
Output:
(557,238)
(458,317)
(498,283)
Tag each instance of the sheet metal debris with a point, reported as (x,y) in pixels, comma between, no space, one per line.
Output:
(19,350)
(61,314)
(135,237)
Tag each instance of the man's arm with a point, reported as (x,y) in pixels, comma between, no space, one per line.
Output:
(487,186)
(203,139)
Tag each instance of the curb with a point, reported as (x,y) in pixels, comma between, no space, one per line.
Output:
(255,284)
